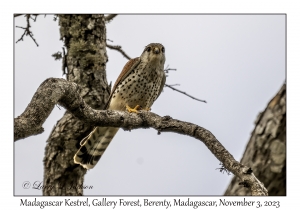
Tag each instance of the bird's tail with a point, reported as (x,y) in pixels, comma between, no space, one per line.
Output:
(94,145)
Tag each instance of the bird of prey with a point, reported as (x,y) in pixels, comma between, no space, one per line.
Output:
(137,87)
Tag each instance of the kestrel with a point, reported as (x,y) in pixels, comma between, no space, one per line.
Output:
(137,87)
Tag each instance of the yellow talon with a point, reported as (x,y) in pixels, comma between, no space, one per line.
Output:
(135,109)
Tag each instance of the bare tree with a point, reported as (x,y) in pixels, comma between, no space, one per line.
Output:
(84,95)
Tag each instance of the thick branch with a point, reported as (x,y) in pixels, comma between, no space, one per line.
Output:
(66,94)
(266,149)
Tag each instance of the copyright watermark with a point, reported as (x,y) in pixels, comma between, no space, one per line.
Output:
(26,185)
(38,185)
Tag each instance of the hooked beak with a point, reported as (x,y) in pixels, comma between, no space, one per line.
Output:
(156,50)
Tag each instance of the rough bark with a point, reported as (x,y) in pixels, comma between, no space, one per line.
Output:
(84,37)
(266,149)
(67,94)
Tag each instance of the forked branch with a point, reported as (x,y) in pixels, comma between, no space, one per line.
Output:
(26,29)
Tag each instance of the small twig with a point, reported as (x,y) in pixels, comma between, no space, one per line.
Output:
(169,86)
(57,55)
(223,169)
(34,19)
(167,69)
(109,18)
(118,48)
(17,15)
(64,62)
(175,85)
(109,40)
(27,30)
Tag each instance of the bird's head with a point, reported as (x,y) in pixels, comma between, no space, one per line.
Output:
(154,53)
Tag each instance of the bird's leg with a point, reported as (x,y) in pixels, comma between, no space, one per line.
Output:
(135,109)
(147,109)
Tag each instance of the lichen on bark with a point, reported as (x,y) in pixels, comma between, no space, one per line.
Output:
(84,37)
(266,149)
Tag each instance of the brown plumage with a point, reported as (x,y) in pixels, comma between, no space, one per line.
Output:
(137,87)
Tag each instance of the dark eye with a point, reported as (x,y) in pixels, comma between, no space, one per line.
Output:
(148,49)
(163,49)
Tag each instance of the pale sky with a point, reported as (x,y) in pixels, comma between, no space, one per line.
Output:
(234,62)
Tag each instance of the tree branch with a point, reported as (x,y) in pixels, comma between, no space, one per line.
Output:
(66,94)
(17,15)
(27,30)
(171,86)
(118,48)
(167,69)
(109,18)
